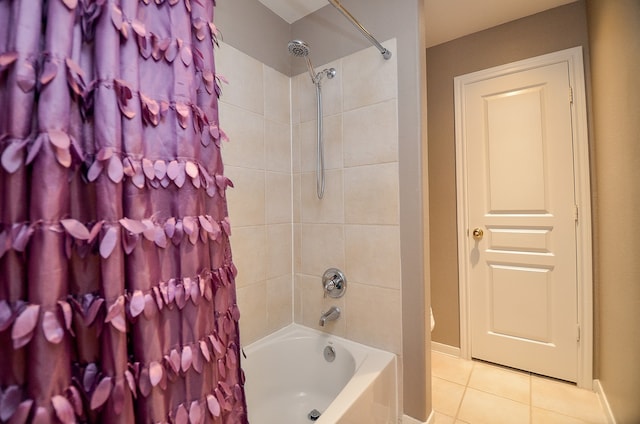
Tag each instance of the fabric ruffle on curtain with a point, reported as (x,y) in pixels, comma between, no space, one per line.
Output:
(117,292)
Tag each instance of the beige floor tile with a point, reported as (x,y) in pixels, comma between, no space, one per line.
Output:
(450,368)
(566,399)
(542,416)
(511,384)
(484,408)
(446,396)
(443,419)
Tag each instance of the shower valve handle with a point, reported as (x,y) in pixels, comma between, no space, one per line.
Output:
(334,283)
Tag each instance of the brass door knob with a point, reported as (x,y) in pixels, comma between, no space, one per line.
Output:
(477,233)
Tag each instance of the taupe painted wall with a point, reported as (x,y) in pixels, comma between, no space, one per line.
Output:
(614,35)
(255,30)
(546,32)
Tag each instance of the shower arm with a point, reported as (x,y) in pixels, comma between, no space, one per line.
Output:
(385,52)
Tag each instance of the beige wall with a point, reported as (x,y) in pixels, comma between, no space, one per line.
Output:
(546,32)
(614,34)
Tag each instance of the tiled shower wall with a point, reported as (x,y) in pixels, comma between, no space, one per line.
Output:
(255,114)
(355,227)
(275,215)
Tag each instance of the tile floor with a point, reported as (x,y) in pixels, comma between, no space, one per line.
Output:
(473,392)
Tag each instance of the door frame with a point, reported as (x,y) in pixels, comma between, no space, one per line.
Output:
(584,271)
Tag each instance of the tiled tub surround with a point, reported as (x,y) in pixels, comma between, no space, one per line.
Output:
(355,227)
(280,229)
(283,237)
(255,114)
(288,377)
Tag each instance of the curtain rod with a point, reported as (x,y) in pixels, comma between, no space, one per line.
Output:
(385,52)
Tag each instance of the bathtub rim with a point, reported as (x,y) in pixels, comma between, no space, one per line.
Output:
(370,363)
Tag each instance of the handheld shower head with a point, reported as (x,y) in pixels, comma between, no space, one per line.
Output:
(299,48)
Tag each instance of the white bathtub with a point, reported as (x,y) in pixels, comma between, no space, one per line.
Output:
(287,377)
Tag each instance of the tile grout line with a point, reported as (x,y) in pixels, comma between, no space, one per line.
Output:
(464,392)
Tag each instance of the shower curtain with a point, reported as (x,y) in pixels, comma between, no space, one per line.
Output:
(117,293)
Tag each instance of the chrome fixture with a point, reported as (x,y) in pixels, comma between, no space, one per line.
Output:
(329,354)
(385,52)
(314,415)
(334,283)
(331,315)
(299,48)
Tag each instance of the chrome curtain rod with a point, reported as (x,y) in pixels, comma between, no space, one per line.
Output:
(385,52)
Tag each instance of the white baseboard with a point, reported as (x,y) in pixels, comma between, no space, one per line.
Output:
(410,420)
(443,348)
(597,387)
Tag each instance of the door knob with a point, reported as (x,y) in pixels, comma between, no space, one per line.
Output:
(477,233)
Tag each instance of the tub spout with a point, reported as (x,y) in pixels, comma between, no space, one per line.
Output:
(331,315)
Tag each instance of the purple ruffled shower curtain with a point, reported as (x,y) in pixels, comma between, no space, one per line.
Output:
(117,293)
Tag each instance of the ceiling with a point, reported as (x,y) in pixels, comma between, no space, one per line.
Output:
(445,19)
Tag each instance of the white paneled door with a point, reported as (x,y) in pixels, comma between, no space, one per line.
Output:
(521,217)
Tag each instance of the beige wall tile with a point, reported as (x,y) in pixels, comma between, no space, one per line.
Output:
(249,245)
(297,205)
(368,78)
(374,316)
(306,98)
(307,146)
(278,198)
(297,242)
(371,134)
(332,90)
(322,247)
(373,255)
(246,200)
(332,140)
(245,130)
(245,76)
(279,302)
(276,96)
(329,209)
(371,194)
(252,301)
(295,99)
(295,148)
(277,142)
(280,250)
(313,304)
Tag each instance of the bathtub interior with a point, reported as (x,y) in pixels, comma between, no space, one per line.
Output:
(288,377)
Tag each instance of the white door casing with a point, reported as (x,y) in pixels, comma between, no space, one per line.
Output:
(523,179)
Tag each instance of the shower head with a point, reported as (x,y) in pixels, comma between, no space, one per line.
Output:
(298,48)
